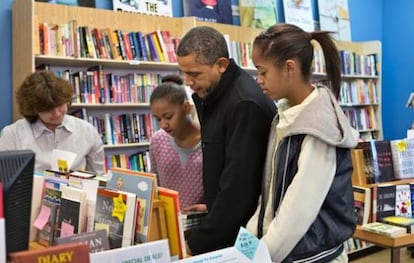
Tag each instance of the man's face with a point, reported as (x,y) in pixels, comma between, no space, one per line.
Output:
(202,79)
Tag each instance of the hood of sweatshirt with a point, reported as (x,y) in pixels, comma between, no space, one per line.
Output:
(319,115)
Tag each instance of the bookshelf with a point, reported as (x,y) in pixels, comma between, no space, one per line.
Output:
(26,16)
(360,95)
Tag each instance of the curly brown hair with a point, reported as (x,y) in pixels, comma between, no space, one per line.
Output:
(42,91)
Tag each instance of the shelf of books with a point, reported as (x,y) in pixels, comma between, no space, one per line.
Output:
(383,179)
(360,95)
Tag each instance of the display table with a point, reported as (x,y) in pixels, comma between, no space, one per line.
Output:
(394,243)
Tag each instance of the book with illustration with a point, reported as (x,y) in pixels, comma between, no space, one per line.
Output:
(144,186)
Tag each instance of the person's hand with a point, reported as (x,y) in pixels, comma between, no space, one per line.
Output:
(195,208)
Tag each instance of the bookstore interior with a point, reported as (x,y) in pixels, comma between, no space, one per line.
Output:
(114,53)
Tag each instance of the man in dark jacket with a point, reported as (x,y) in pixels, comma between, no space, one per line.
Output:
(235,119)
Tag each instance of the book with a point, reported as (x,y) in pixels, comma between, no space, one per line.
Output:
(299,13)
(217,11)
(384,229)
(362,204)
(96,240)
(115,212)
(402,221)
(72,252)
(378,160)
(72,212)
(142,184)
(385,202)
(257,14)
(403,158)
(171,204)
(358,173)
(403,200)
(152,7)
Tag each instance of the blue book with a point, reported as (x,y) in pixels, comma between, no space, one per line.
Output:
(144,185)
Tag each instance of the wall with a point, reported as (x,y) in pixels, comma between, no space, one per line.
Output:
(398,66)
(367,23)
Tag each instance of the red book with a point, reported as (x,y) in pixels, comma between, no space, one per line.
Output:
(71,252)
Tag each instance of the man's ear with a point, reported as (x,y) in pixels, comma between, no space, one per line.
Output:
(223,63)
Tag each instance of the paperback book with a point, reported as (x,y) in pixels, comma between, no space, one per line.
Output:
(384,229)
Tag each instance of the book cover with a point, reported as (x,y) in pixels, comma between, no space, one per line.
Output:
(402,221)
(362,204)
(403,158)
(96,240)
(144,186)
(299,13)
(258,14)
(152,7)
(217,11)
(378,161)
(385,200)
(72,214)
(403,200)
(384,229)
(115,212)
(46,221)
(358,173)
(72,252)
(171,204)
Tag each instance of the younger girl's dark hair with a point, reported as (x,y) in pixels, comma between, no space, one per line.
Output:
(42,91)
(285,41)
(171,89)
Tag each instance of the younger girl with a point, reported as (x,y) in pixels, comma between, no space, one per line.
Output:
(306,210)
(175,149)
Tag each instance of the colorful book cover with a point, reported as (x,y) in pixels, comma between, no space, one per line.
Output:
(402,221)
(402,156)
(171,204)
(217,11)
(113,213)
(144,186)
(403,200)
(258,13)
(362,204)
(378,161)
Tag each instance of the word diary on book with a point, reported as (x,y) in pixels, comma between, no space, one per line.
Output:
(68,253)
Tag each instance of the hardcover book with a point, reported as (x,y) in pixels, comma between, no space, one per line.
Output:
(362,204)
(96,240)
(403,158)
(403,200)
(385,202)
(72,252)
(115,212)
(384,229)
(152,7)
(216,11)
(258,14)
(144,186)
(171,204)
(378,161)
(402,221)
